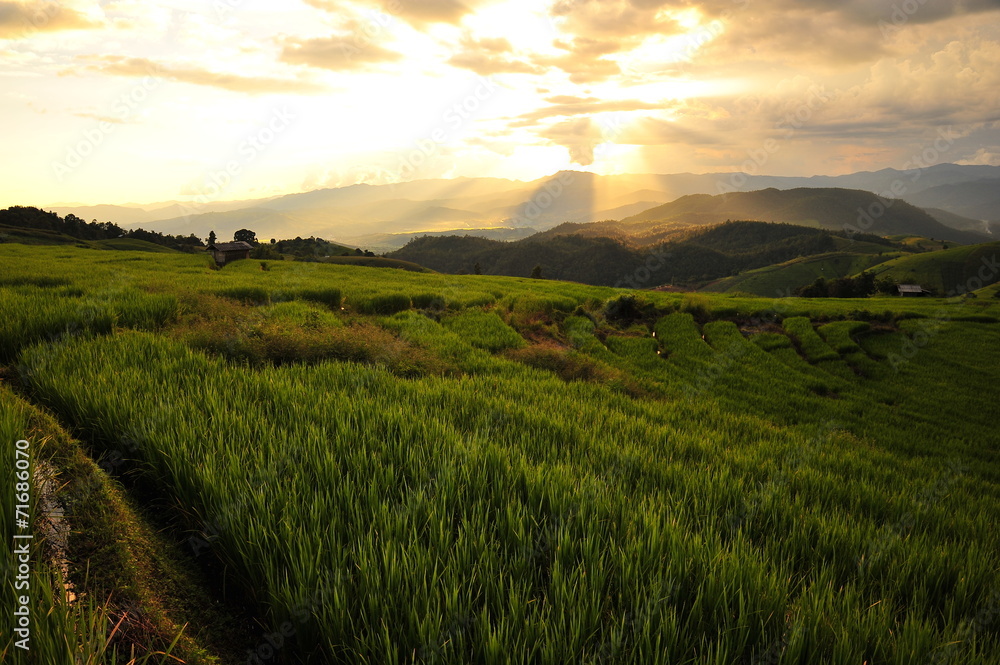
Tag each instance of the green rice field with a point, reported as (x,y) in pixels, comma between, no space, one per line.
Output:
(385,466)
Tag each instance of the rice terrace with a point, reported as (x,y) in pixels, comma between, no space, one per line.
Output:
(392,466)
(542,332)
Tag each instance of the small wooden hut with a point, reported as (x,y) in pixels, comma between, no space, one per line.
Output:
(227,252)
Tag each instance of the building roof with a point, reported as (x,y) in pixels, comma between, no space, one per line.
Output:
(230,246)
(910,288)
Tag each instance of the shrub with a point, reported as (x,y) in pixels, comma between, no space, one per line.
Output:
(385,304)
(429,301)
(567,365)
(622,308)
(331,297)
(696,305)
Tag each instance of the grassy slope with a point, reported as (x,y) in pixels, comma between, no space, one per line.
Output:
(41,237)
(851,258)
(784,278)
(947,270)
(376,262)
(807,501)
(122,571)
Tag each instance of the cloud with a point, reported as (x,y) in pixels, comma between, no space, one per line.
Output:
(584,61)
(22,19)
(490,56)
(416,12)
(485,65)
(956,84)
(104,118)
(983,157)
(616,18)
(816,33)
(346,52)
(579,136)
(253,85)
(568,105)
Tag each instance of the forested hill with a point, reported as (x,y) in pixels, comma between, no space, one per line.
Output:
(829,208)
(710,254)
(36,226)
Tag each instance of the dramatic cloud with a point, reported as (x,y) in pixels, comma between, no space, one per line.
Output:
(608,85)
(254,85)
(23,19)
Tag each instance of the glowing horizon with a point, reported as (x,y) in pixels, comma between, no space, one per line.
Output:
(121,101)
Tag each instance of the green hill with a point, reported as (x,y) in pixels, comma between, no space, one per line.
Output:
(33,226)
(694,256)
(374,262)
(42,237)
(848,210)
(132,245)
(784,278)
(948,271)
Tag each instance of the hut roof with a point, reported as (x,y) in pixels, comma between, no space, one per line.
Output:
(230,246)
(910,288)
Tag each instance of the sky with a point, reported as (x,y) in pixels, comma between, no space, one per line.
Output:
(141,101)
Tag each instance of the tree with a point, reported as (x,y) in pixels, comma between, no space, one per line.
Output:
(536,272)
(842,287)
(478,269)
(817,289)
(245,235)
(864,284)
(265,252)
(211,237)
(885,285)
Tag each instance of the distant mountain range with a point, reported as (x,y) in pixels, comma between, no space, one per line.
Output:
(387,216)
(700,256)
(847,210)
(978,199)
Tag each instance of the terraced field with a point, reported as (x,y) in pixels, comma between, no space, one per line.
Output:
(397,467)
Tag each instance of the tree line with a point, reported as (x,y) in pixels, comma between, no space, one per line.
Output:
(27,217)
